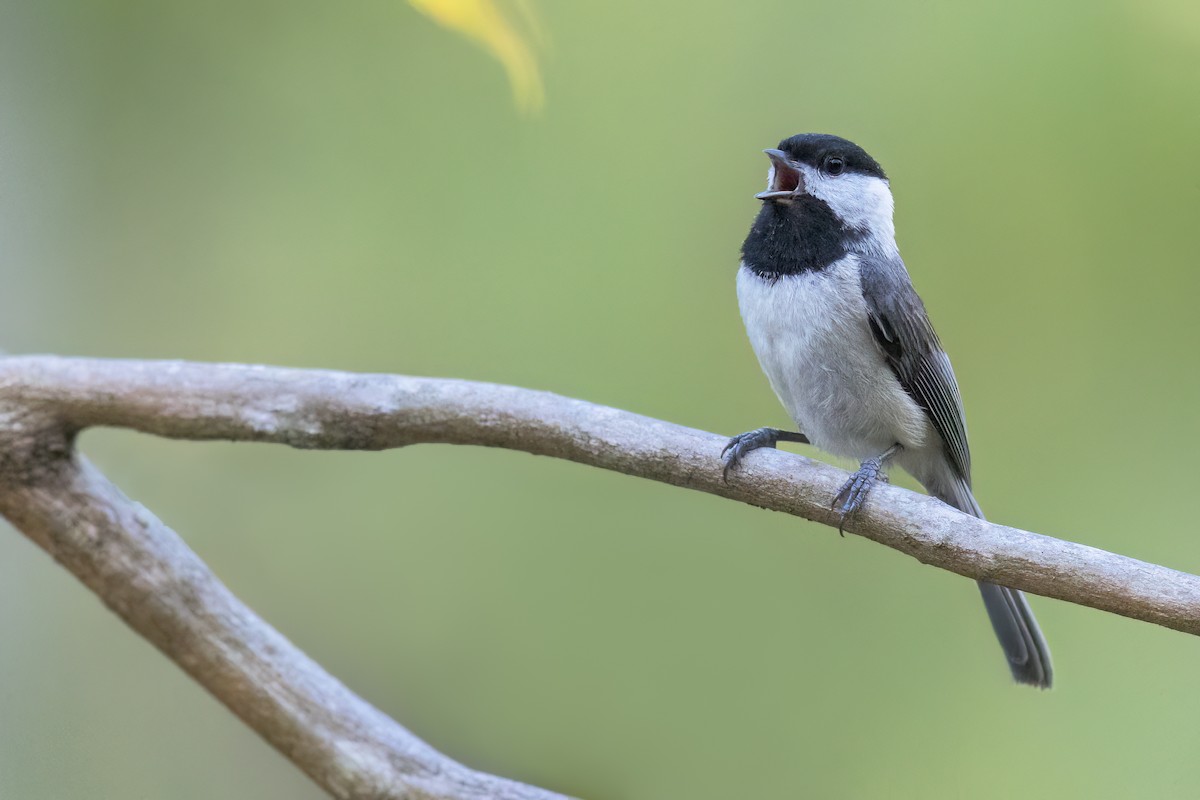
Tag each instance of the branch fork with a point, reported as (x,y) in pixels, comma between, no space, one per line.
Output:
(144,572)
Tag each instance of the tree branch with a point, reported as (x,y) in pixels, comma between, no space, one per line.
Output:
(145,573)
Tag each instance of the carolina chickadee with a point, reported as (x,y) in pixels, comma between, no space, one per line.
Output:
(850,352)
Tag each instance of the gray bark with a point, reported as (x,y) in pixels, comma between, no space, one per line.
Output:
(147,575)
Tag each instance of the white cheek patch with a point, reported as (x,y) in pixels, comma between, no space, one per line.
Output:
(861,201)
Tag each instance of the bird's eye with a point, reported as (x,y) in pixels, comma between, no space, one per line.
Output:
(835,165)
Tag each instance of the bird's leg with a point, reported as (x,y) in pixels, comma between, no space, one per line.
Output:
(740,445)
(854,491)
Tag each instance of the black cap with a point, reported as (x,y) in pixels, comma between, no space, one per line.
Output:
(815,148)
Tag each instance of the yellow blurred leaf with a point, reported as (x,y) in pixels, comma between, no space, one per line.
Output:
(486,24)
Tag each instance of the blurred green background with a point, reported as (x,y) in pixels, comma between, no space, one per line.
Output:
(349,186)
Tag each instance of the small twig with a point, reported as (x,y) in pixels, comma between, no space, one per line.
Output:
(142,570)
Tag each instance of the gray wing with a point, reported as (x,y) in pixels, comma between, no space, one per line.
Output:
(903,332)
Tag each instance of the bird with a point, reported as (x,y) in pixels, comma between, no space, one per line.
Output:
(847,346)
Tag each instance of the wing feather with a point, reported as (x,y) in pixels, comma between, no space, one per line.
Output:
(903,332)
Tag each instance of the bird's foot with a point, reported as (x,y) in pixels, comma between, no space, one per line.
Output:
(741,445)
(853,493)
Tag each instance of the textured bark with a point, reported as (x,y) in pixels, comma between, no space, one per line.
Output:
(146,574)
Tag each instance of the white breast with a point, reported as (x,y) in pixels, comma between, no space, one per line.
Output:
(812,338)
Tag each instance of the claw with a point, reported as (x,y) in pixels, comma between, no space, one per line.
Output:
(744,443)
(854,492)
(736,448)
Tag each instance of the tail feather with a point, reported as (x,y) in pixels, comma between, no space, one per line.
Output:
(1012,618)
(1019,635)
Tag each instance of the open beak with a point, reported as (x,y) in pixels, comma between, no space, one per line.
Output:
(785,180)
